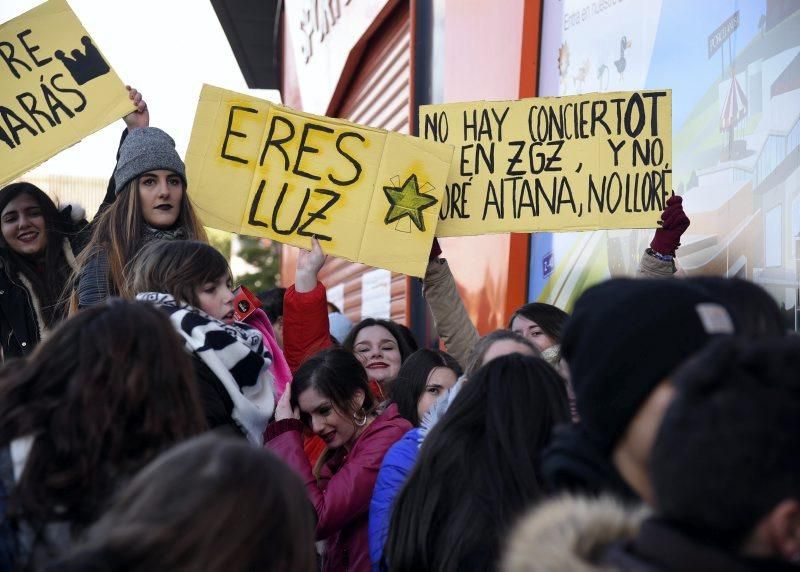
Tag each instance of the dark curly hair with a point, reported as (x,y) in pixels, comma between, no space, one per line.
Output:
(104,394)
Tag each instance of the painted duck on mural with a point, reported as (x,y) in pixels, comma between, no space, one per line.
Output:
(621,63)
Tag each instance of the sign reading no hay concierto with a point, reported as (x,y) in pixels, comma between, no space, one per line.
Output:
(55,87)
(594,161)
(262,169)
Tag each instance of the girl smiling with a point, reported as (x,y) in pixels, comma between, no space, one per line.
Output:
(330,395)
(36,259)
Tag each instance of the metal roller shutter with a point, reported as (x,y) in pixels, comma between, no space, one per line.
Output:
(378,95)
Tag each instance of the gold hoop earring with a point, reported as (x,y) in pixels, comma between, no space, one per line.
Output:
(360,421)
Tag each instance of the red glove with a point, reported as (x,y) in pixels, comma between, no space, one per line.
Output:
(674,223)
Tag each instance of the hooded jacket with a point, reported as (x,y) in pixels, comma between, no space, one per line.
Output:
(572,462)
(22,324)
(570,534)
(573,534)
(305,324)
(342,495)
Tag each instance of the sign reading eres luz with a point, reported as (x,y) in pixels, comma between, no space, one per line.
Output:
(262,169)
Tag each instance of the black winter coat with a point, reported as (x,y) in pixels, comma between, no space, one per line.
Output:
(21,321)
(20,326)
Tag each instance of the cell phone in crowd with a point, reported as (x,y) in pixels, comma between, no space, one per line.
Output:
(244,303)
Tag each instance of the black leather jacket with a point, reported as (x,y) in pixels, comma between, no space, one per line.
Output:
(19,326)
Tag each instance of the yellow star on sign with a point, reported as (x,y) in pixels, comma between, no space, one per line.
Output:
(407,201)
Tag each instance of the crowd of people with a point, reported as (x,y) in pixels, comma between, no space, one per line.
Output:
(656,427)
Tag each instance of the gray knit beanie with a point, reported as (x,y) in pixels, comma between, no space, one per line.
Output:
(146,149)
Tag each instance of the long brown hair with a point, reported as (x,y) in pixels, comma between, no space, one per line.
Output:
(104,394)
(214,503)
(48,286)
(120,232)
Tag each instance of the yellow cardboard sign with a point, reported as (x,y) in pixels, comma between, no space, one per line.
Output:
(586,162)
(262,169)
(55,87)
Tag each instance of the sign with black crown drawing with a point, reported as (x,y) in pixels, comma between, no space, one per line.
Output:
(56,87)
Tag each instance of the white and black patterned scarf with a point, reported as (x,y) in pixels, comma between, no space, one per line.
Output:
(235,353)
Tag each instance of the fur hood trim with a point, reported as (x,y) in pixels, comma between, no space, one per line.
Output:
(37,306)
(70,255)
(76,212)
(570,534)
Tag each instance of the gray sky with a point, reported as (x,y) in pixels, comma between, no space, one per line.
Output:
(166,49)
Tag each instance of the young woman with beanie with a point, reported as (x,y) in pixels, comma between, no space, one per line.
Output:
(37,257)
(151,203)
(330,395)
(477,470)
(104,394)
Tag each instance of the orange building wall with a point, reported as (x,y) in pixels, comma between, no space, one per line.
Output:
(491,52)
(491,49)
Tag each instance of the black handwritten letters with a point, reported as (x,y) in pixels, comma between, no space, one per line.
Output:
(47,84)
(572,158)
(323,157)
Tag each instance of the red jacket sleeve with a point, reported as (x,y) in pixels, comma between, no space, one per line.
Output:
(348,492)
(305,324)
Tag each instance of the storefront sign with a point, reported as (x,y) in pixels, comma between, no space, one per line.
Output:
(722,33)
(596,161)
(323,33)
(368,195)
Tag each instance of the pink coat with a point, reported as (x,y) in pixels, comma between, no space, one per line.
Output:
(343,493)
(279,368)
